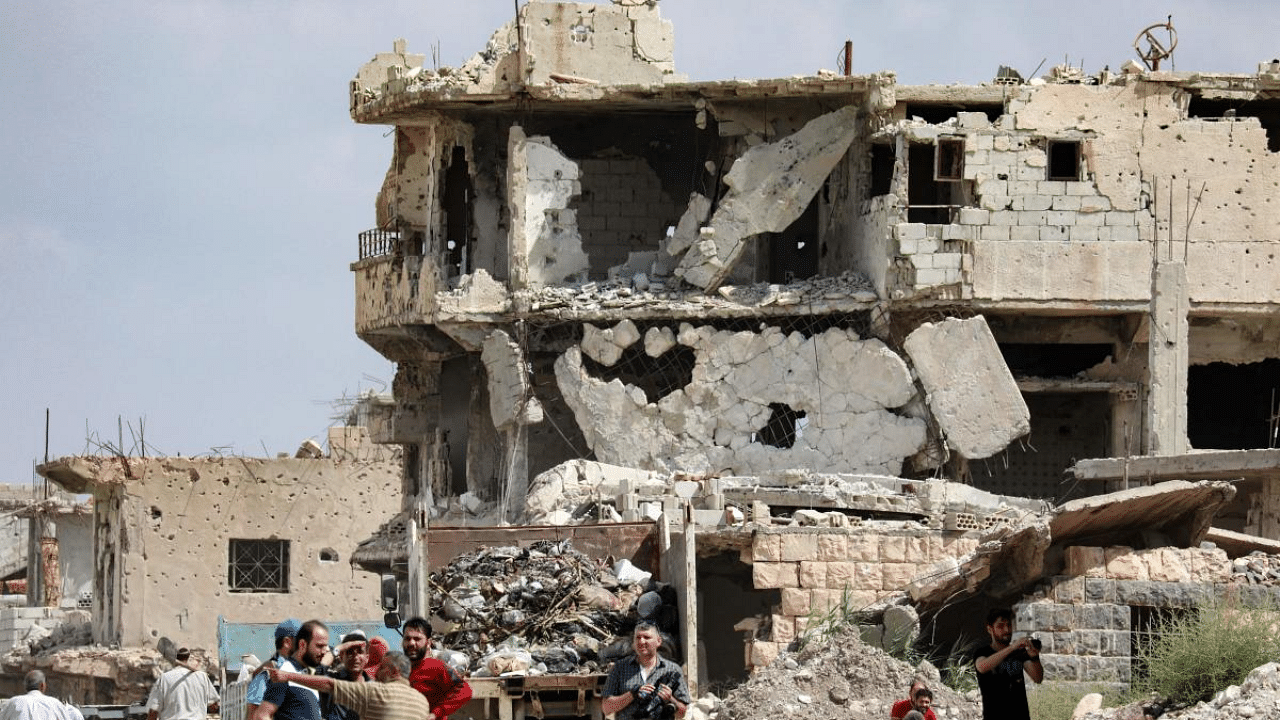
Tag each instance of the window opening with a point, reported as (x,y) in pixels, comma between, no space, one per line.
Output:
(948,162)
(1064,159)
(457,214)
(882,157)
(258,566)
(928,201)
(1145,626)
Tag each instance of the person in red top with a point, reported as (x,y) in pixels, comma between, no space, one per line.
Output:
(915,708)
(444,689)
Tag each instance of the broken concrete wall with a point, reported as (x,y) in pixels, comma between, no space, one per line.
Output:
(546,248)
(770,185)
(165,525)
(970,390)
(846,387)
(612,44)
(623,209)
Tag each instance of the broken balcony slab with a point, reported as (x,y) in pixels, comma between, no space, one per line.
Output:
(770,185)
(1237,544)
(970,390)
(1182,510)
(1198,465)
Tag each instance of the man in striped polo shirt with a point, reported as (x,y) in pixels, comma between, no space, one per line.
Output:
(390,698)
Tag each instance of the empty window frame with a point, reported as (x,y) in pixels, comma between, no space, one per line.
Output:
(948,159)
(258,566)
(1064,159)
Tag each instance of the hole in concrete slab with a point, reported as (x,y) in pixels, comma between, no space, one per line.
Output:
(784,427)
(657,377)
(1231,407)
(328,555)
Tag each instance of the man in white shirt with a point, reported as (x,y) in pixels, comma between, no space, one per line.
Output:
(183,693)
(35,705)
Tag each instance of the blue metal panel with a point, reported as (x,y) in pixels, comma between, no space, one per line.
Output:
(236,639)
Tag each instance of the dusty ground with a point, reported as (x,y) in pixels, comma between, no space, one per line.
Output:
(842,678)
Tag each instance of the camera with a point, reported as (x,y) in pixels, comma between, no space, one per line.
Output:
(1035,643)
(650,705)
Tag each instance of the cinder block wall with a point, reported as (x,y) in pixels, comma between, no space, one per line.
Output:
(622,209)
(17,624)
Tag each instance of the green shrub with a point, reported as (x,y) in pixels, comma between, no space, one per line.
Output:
(1058,700)
(1196,655)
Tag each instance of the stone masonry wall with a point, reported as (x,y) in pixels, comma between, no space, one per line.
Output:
(1085,618)
(815,568)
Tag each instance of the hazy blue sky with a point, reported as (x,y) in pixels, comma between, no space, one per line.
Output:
(181,185)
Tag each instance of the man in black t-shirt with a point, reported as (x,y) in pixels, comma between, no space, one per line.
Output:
(1000,667)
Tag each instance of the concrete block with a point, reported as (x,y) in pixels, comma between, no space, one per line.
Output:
(984,141)
(995,202)
(796,601)
(832,547)
(864,547)
(1066,202)
(992,186)
(813,574)
(770,575)
(908,247)
(1034,218)
(1060,217)
(1032,202)
(1004,217)
(1095,204)
(947,261)
(868,577)
(1079,188)
(897,576)
(995,232)
(1024,233)
(799,546)
(766,547)
(842,575)
(1055,233)
(1093,219)
(1167,565)
(784,629)
(763,653)
(974,216)
(1078,233)
(1052,187)
(1025,172)
(910,231)
(928,277)
(1121,218)
(1209,566)
(1125,234)
(971,392)
(893,548)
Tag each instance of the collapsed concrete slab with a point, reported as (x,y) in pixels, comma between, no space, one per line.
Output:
(769,187)
(756,403)
(970,390)
(1181,510)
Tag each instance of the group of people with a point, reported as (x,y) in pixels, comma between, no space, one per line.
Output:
(367,681)
(1000,667)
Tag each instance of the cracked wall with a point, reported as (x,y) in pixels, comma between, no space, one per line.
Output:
(846,387)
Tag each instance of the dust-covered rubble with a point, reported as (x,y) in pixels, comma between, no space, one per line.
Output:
(839,677)
(1257,698)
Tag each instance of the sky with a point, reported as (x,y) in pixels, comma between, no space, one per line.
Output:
(181,185)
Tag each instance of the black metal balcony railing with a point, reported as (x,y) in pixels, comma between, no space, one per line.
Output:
(378,242)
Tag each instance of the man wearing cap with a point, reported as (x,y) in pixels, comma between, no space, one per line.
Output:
(351,656)
(182,693)
(35,705)
(390,698)
(285,633)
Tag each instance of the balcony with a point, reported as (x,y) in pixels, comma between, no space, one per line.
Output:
(378,243)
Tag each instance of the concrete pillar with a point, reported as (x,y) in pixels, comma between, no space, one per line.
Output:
(517,184)
(1170,329)
(419,559)
(50,572)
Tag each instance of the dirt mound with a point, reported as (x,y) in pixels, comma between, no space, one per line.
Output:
(841,677)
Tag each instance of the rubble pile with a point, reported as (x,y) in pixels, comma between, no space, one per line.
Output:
(546,608)
(1258,697)
(1256,568)
(843,677)
(640,289)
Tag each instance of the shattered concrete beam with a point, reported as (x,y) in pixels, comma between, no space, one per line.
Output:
(1239,544)
(770,186)
(1200,465)
(1183,510)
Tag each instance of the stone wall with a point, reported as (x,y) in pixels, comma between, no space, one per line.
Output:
(817,569)
(1086,617)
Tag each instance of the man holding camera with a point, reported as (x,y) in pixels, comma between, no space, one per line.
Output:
(1000,669)
(645,685)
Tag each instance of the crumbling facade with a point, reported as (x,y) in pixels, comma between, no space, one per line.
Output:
(805,283)
(180,542)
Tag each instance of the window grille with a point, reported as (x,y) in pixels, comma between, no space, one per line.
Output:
(258,566)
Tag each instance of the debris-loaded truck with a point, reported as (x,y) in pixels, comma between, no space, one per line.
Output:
(537,612)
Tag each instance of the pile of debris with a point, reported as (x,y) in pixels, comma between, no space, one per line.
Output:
(840,677)
(1256,568)
(546,608)
(1257,697)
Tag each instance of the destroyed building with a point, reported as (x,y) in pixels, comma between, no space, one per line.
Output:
(181,546)
(911,306)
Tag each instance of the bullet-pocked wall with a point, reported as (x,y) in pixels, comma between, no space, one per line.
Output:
(262,539)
